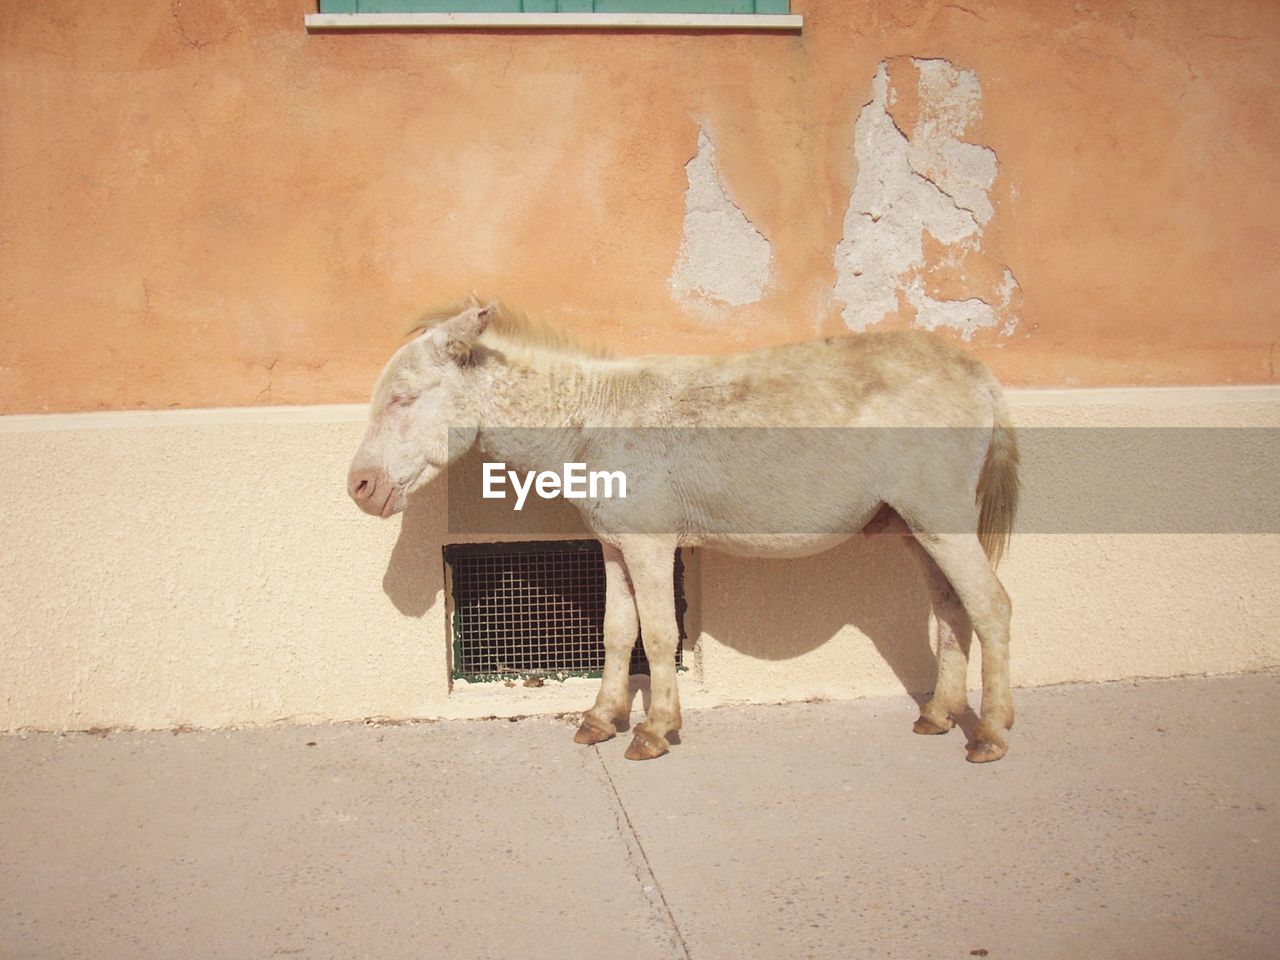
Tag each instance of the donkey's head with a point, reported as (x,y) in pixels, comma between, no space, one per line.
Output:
(426,388)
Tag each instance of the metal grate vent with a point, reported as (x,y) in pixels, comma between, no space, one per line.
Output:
(535,609)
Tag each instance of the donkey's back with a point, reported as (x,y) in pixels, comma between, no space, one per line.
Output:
(893,378)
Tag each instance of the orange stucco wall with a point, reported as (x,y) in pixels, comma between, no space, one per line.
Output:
(203,205)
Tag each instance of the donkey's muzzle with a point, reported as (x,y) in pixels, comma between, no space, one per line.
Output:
(370,488)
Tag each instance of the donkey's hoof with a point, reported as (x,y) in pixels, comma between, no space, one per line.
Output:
(594,731)
(646,746)
(930,727)
(984,751)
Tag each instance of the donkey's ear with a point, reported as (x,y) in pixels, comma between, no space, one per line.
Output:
(461,333)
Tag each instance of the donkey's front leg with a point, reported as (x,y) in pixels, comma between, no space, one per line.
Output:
(651,563)
(613,702)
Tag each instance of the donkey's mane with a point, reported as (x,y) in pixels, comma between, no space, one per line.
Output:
(510,325)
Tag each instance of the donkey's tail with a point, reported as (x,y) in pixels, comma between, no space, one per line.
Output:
(997,493)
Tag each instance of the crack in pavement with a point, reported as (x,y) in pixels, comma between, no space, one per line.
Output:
(639,861)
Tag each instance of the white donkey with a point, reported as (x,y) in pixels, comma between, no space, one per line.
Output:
(473,370)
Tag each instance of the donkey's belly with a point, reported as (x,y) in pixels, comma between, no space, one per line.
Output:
(779,532)
(768,544)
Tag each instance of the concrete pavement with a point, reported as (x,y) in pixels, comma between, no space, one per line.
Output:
(1128,821)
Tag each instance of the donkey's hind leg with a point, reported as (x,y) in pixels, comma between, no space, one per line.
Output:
(621,625)
(952,634)
(963,563)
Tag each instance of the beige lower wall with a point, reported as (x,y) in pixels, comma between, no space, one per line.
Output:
(207,568)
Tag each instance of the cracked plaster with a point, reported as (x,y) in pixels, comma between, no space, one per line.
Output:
(916,182)
(723,257)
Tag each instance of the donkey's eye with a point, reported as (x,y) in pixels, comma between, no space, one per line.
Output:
(401,400)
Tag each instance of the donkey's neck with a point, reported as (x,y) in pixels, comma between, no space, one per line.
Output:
(533,406)
(531,385)
(520,392)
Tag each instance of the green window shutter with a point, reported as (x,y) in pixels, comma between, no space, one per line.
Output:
(436,6)
(554,6)
(675,6)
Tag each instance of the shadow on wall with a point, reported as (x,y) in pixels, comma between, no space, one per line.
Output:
(767,609)
(775,610)
(415,573)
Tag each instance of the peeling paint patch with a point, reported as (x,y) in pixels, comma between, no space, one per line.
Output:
(723,257)
(912,244)
(950,100)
